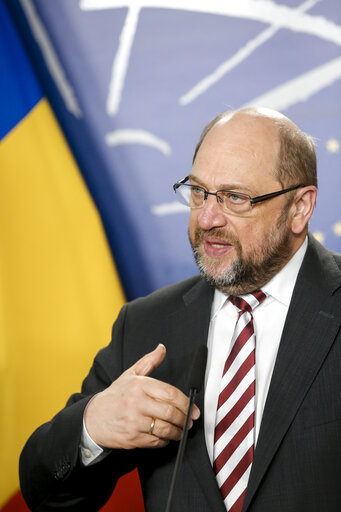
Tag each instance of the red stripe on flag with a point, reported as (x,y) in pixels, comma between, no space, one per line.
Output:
(127,496)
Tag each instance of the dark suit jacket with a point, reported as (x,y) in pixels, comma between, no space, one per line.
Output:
(298,454)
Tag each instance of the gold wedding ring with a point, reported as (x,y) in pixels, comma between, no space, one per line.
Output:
(152,425)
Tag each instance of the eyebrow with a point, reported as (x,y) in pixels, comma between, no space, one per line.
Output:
(233,187)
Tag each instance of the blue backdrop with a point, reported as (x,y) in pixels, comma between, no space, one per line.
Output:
(134,83)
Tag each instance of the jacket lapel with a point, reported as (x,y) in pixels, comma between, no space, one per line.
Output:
(311,326)
(196,317)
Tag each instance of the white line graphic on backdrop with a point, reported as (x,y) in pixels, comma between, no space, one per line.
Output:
(278,16)
(137,137)
(120,65)
(265,11)
(261,10)
(241,55)
(51,58)
(167,208)
(300,88)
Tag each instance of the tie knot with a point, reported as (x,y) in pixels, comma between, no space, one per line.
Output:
(248,302)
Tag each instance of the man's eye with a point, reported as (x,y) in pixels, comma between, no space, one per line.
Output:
(197,191)
(236,198)
(230,197)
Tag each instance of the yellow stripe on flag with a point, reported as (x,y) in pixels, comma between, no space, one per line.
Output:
(59,290)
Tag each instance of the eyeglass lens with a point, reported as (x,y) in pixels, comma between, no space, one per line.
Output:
(194,197)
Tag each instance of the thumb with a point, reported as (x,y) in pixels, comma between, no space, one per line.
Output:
(149,362)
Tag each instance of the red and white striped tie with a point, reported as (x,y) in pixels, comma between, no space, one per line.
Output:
(234,431)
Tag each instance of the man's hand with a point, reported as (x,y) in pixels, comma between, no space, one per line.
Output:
(121,416)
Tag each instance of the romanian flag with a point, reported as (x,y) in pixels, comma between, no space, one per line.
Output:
(59,289)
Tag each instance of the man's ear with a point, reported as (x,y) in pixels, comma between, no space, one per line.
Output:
(302,209)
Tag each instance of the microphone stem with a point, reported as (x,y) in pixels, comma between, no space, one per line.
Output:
(181,450)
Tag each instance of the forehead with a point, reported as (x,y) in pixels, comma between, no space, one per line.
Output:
(243,149)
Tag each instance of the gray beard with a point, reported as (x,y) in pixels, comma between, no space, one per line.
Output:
(250,273)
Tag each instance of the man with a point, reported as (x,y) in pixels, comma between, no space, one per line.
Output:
(252,191)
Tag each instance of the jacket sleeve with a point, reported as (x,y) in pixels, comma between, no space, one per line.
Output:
(52,476)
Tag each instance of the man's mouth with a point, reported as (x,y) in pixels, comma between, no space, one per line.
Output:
(218,245)
(216,248)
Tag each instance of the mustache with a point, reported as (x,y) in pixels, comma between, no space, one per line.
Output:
(217,233)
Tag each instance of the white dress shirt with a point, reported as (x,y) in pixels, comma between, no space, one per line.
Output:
(268,320)
(89,450)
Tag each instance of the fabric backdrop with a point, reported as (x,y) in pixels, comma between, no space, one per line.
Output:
(92,142)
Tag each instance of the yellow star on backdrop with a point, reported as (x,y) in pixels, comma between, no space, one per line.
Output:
(320,236)
(337,228)
(333,146)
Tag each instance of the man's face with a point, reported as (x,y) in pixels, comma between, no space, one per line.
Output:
(239,254)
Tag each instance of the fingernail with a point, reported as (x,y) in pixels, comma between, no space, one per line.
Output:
(195,413)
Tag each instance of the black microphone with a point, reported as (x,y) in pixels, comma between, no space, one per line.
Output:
(195,382)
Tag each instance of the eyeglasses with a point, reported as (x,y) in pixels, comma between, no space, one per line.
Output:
(237,203)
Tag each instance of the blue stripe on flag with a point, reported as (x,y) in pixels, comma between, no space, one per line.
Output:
(14,103)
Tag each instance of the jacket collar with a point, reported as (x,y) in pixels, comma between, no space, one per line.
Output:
(312,324)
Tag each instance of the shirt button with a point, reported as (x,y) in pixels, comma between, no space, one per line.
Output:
(87,453)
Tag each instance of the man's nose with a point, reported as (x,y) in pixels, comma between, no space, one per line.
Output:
(211,215)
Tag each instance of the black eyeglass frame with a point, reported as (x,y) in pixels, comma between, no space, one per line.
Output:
(253,200)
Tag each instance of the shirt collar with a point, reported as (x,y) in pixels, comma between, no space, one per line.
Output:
(280,287)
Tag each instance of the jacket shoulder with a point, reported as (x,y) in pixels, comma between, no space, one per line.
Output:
(171,296)
(322,266)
